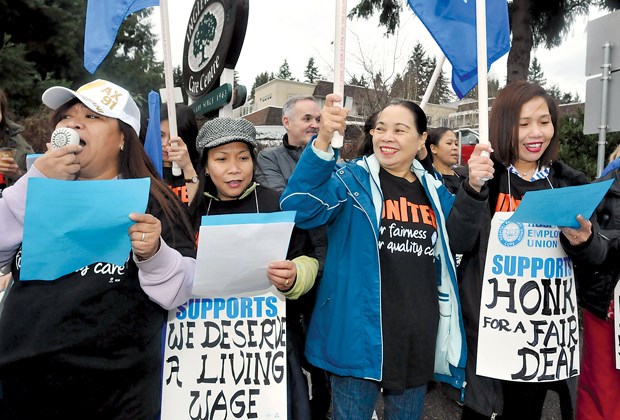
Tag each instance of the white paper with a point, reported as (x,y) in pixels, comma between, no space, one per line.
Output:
(233,259)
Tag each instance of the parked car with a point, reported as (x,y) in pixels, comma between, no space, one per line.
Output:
(468,138)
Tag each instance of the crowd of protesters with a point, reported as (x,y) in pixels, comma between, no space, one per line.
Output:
(367,316)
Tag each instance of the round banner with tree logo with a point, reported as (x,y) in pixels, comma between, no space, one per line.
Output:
(213,41)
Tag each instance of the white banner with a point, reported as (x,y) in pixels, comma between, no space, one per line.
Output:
(226,358)
(528,328)
(617,323)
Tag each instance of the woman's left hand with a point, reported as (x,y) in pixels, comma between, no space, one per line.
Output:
(282,274)
(581,235)
(144,235)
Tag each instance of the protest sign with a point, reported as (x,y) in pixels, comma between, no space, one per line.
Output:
(617,323)
(528,328)
(226,358)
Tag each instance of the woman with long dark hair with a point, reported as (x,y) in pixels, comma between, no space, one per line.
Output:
(88,344)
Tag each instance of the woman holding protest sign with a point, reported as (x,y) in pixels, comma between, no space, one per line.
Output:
(524,136)
(227,186)
(387,314)
(88,344)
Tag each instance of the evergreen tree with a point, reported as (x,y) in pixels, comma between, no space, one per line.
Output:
(562,97)
(416,76)
(132,61)
(311,72)
(285,72)
(260,80)
(354,81)
(535,73)
(492,89)
(397,90)
(43,43)
(442,91)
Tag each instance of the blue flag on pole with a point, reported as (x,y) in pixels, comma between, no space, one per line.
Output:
(452,23)
(152,142)
(103,18)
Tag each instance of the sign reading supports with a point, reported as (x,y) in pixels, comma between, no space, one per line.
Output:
(528,330)
(226,358)
(214,100)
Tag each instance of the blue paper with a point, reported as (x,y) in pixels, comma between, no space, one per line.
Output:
(71,224)
(30,158)
(560,206)
(249,218)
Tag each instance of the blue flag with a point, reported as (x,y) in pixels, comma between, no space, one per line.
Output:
(452,23)
(103,18)
(152,141)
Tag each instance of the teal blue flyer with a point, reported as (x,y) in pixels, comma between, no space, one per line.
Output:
(71,224)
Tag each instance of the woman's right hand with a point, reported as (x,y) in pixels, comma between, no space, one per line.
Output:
(480,166)
(333,118)
(178,153)
(62,163)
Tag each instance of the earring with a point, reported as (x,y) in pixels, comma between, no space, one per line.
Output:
(122,146)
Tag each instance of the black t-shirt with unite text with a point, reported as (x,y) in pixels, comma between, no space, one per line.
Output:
(409,305)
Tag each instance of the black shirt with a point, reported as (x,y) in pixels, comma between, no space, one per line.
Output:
(409,306)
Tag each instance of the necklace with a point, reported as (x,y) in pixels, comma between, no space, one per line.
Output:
(526,173)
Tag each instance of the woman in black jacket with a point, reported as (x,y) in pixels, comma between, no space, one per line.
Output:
(598,272)
(524,136)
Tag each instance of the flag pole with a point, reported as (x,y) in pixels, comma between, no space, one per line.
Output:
(483,89)
(339,48)
(170,100)
(433,81)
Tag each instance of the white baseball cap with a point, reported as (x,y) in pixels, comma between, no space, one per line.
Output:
(100,96)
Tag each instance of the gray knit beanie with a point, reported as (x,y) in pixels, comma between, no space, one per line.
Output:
(219,131)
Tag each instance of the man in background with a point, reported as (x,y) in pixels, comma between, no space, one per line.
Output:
(300,118)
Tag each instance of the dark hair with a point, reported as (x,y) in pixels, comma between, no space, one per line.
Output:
(197,206)
(365,145)
(135,163)
(419,119)
(187,128)
(504,122)
(3,120)
(434,135)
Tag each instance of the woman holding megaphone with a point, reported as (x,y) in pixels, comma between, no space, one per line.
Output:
(82,345)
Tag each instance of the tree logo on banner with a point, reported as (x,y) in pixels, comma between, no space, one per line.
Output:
(213,41)
(204,36)
(510,233)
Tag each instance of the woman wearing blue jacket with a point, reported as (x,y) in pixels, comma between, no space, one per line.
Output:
(387,314)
